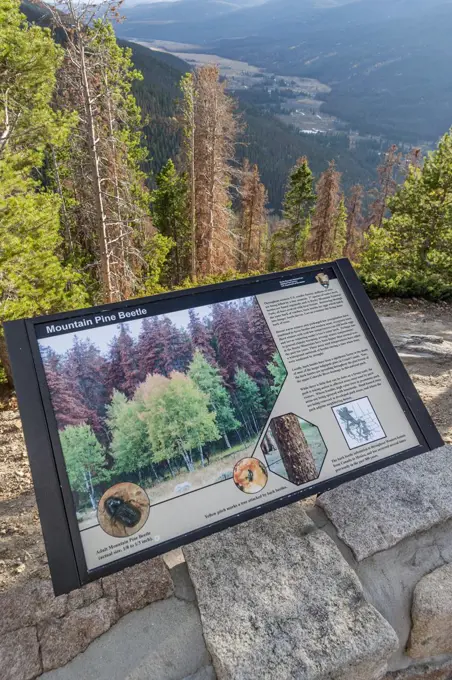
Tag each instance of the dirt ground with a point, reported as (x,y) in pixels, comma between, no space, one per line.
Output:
(421,331)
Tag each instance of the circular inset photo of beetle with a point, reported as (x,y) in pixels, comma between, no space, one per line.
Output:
(250,475)
(123,509)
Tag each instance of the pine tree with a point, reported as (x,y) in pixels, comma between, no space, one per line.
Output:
(278,372)
(232,348)
(355,224)
(162,347)
(110,216)
(178,351)
(299,203)
(208,379)
(123,371)
(33,278)
(279,255)
(260,340)
(253,220)
(201,336)
(387,185)
(248,401)
(320,245)
(416,241)
(86,370)
(188,124)
(210,130)
(66,399)
(340,230)
(150,347)
(171,218)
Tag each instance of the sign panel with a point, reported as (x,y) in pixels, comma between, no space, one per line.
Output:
(152,423)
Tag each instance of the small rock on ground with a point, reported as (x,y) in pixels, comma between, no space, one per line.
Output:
(431,614)
(425,671)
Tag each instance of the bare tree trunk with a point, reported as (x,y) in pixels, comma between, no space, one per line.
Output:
(212,178)
(4,136)
(189,127)
(193,200)
(250,228)
(294,449)
(89,489)
(170,468)
(122,229)
(95,163)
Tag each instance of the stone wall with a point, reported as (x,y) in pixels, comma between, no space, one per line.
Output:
(39,632)
(357,587)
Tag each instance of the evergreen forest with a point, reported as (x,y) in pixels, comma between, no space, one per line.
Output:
(125,173)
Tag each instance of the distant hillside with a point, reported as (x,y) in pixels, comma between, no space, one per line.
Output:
(214,19)
(186,10)
(387,61)
(275,147)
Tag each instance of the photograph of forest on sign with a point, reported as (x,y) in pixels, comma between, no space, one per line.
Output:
(170,403)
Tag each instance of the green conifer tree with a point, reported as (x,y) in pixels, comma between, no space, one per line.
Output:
(415,243)
(249,400)
(33,279)
(170,216)
(278,372)
(299,203)
(278,256)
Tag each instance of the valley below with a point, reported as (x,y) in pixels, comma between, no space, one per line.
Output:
(296,101)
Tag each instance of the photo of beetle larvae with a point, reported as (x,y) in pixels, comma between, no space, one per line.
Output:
(123,509)
(250,475)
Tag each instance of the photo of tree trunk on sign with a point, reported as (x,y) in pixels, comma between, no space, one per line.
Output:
(294,449)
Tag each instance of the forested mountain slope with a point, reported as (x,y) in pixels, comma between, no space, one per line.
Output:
(265,140)
(215,19)
(387,61)
(275,147)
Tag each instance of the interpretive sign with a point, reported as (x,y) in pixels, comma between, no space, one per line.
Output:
(155,422)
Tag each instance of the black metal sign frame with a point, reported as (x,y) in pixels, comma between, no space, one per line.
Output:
(55,502)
